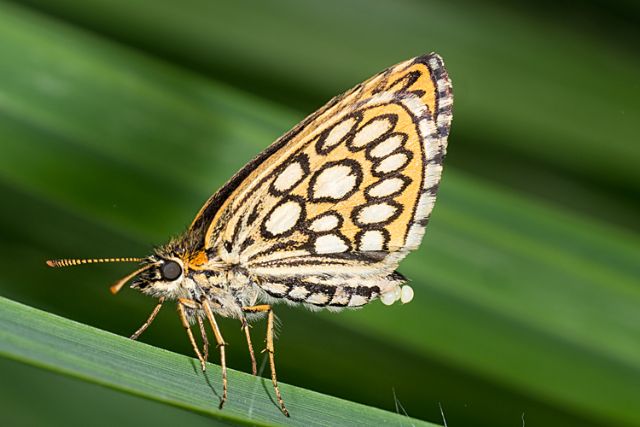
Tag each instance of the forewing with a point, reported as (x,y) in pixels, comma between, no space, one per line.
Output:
(325,214)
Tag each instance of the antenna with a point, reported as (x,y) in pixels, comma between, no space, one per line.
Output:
(78,261)
(115,288)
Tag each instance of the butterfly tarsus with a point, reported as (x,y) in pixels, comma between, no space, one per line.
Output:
(270,349)
(221,345)
(187,327)
(205,340)
(247,332)
(151,318)
(204,304)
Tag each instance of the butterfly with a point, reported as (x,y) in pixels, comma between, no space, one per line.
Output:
(322,217)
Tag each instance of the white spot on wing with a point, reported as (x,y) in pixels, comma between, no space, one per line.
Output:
(445,102)
(425,204)
(340,297)
(392,163)
(275,288)
(415,236)
(283,218)
(371,131)
(386,187)
(372,240)
(289,177)
(387,146)
(428,129)
(330,244)
(431,150)
(433,175)
(357,300)
(324,223)
(299,292)
(375,213)
(442,85)
(318,298)
(334,182)
(338,133)
(415,105)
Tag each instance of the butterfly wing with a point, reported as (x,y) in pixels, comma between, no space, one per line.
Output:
(324,215)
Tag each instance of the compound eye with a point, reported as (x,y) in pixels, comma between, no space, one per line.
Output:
(171,270)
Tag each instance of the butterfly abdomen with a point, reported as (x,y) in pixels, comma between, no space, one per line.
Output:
(332,291)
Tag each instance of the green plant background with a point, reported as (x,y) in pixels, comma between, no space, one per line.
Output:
(119,118)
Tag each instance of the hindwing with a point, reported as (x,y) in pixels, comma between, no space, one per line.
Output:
(324,214)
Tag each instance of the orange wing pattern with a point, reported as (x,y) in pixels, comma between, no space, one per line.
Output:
(324,215)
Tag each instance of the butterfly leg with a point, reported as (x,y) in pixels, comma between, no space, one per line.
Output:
(247,332)
(187,327)
(205,340)
(270,349)
(221,346)
(146,324)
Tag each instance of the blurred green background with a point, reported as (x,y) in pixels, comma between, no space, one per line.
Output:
(119,118)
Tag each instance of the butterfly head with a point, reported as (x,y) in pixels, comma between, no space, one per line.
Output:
(160,274)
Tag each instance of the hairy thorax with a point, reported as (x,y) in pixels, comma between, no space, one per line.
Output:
(229,289)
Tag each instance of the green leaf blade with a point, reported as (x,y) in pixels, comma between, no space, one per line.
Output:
(51,342)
